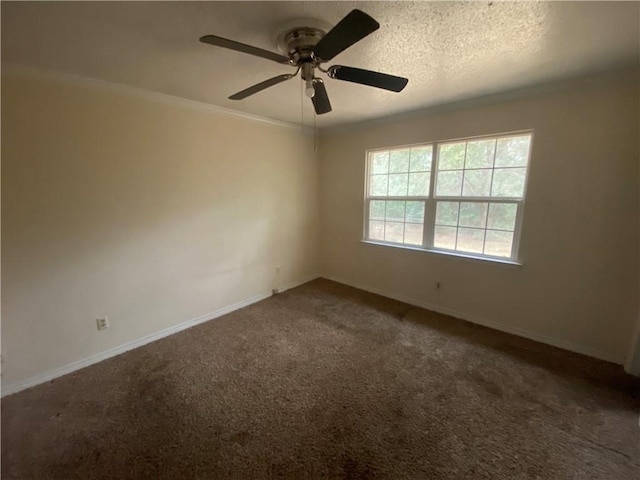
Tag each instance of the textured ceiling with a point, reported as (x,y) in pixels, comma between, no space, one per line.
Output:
(449,51)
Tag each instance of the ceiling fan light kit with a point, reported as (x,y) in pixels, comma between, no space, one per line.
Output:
(307,48)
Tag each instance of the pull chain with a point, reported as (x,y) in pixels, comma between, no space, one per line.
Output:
(301,108)
(315,133)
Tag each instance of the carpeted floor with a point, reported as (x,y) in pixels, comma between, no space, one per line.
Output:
(326,381)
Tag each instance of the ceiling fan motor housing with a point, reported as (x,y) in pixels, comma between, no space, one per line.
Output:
(298,43)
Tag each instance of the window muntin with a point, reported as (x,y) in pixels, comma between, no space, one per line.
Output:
(397,221)
(399,182)
(475,227)
(400,172)
(476,209)
(494,167)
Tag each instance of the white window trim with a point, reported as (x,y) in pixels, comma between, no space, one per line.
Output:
(431,202)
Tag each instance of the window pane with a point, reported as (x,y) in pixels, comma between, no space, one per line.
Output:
(421,159)
(498,243)
(395,211)
(451,156)
(447,213)
(470,239)
(477,183)
(419,184)
(376,209)
(378,185)
(449,184)
(513,151)
(398,185)
(413,233)
(376,230)
(415,212)
(473,215)
(480,154)
(380,162)
(394,232)
(399,161)
(508,182)
(502,216)
(445,237)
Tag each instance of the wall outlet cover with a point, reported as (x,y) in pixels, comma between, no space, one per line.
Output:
(102,323)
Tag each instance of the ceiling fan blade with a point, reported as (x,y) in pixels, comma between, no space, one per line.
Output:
(258,87)
(367,77)
(320,98)
(351,29)
(241,47)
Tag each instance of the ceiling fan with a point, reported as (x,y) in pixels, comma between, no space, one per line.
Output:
(309,47)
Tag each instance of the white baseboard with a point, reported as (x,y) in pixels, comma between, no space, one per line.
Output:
(297,283)
(85,362)
(484,322)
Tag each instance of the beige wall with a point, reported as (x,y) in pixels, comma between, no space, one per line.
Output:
(578,285)
(154,214)
(150,213)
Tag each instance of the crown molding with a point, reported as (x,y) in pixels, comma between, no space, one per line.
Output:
(54,76)
(620,74)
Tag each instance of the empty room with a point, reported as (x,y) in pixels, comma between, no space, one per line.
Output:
(320,240)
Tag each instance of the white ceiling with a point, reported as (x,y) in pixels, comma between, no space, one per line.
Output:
(449,51)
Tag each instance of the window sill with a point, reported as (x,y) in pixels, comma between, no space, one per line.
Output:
(467,256)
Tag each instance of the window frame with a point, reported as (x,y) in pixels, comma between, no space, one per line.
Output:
(431,201)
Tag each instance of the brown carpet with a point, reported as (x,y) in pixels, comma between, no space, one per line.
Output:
(326,381)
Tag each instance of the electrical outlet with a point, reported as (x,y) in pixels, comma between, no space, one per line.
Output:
(102,323)
(438,285)
(277,270)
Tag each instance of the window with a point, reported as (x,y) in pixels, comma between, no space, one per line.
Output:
(462,196)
